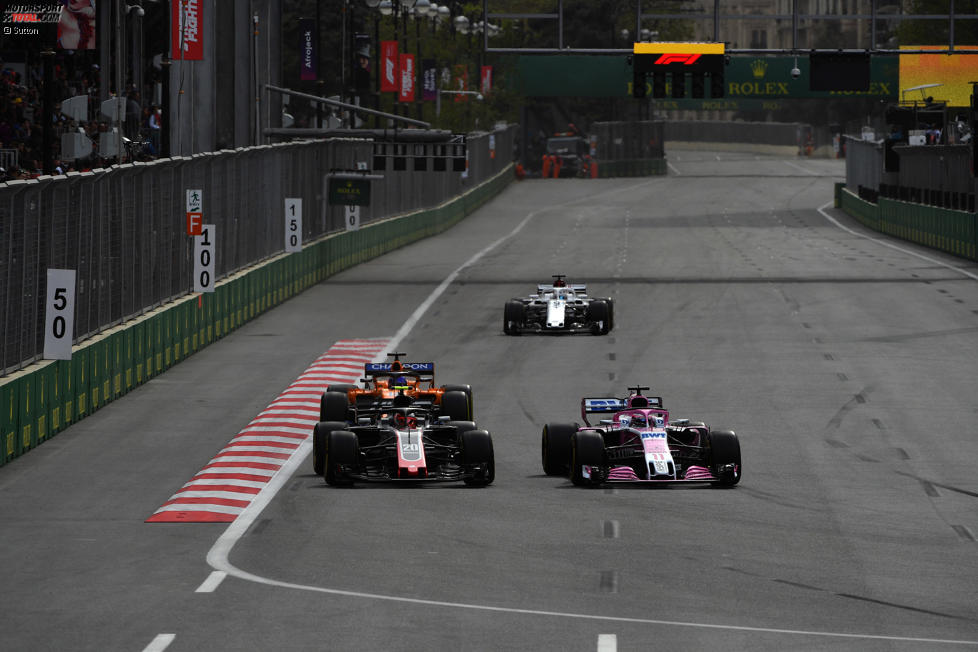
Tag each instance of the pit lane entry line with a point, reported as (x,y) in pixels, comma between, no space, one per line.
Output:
(218,556)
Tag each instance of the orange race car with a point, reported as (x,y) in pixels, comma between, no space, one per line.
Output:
(395,384)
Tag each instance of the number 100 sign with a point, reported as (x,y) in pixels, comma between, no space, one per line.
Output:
(205,267)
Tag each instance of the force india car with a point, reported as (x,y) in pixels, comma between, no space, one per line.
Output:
(637,442)
(417,381)
(559,308)
(400,427)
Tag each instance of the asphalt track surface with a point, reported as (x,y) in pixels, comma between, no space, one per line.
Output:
(844,360)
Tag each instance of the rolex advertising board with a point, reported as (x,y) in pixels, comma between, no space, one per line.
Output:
(749,81)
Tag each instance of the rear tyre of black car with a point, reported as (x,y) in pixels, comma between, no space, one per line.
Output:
(724,452)
(319,435)
(456,406)
(587,449)
(478,460)
(467,390)
(333,406)
(342,450)
(514,315)
(555,447)
(599,313)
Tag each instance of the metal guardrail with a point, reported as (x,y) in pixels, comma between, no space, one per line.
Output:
(123,228)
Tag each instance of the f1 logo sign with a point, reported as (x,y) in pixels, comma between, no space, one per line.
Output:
(685,59)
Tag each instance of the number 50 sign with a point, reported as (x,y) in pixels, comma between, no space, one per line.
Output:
(59,315)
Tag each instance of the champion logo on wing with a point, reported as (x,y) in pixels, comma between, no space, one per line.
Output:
(685,59)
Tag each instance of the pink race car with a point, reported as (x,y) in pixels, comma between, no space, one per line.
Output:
(636,442)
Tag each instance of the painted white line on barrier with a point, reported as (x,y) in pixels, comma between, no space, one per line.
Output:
(821,209)
(212,582)
(218,555)
(673,168)
(160,643)
(607,643)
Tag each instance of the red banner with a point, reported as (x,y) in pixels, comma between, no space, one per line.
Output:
(389,80)
(187,33)
(486,79)
(461,81)
(407,78)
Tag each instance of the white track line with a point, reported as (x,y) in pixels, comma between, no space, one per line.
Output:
(885,243)
(218,556)
(160,643)
(212,582)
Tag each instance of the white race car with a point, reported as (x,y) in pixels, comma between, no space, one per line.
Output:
(559,308)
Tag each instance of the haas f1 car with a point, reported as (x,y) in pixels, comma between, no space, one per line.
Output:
(635,441)
(559,308)
(398,430)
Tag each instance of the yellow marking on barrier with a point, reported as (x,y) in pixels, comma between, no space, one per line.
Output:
(27,397)
(210,333)
(42,427)
(168,353)
(159,362)
(139,372)
(56,418)
(68,407)
(128,378)
(105,389)
(82,403)
(25,438)
(118,384)
(10,444)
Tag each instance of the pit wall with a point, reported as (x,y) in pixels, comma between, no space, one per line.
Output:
(45,398)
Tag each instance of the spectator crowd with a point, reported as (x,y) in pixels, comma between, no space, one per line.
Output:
(21,126)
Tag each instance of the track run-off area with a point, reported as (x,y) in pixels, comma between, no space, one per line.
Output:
(843,359)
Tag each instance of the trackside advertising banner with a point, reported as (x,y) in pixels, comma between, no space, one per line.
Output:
(307,29)
(389,81)
(407,79)
(486,75)
(429,79)
(187,20)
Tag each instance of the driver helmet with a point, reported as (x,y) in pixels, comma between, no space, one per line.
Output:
(560,283)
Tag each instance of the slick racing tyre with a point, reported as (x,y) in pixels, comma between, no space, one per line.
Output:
(599,314)
(467,389)
(725,458)
(340,388)
(333,406)
(462,426)
(587,449)
(456,406)
(514,315)
(477,458)
(342,450)
(555,447)
(319,435)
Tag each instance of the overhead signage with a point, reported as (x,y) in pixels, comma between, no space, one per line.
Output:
(745,78)
(351,192)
